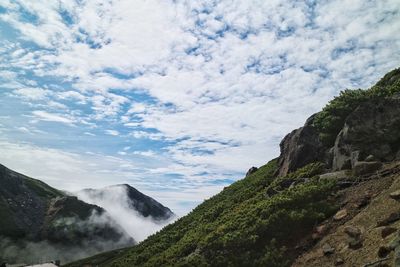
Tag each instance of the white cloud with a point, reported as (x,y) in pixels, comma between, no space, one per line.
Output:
(45,116)
(32,93)
(115,200)
(112,132)
(73,171)
(217,84)
(147,153)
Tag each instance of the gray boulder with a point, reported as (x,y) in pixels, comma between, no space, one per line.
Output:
(299,148)
(372,129)
(364,167)
(338,175)
(251,171)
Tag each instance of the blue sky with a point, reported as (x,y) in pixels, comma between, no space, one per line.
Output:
(177,98)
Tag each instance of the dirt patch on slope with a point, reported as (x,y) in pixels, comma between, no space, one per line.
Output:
(367,205)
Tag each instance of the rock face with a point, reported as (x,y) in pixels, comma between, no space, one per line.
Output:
(338,175)
(299,148)
(365,167)
(369,136)
(371,131)
(251,171)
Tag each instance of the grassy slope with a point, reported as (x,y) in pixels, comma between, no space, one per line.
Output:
(244,226)
(240,226)
(8,227)
(42,189)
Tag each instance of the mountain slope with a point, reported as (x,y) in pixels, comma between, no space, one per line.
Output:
(234,226)
(143,204)
(329,171)
(41,222)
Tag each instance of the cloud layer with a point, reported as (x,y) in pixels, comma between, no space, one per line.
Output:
(191,93)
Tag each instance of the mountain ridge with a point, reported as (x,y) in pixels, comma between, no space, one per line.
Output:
(145,205)
(41,222)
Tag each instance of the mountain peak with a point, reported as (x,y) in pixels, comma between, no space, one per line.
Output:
(143,204)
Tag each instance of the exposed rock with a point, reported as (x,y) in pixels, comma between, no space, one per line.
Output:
(395,195)
(338,175)
(299,148)
(327,249)
(321,229)
(393,217)
(372,129)
(363,201)
(370,158)
(383,251)
(364,167)
(355,157)
(352,231)
(251,171)
(355,243)
(340,215)
(319,232)
(339,261)
(386,231)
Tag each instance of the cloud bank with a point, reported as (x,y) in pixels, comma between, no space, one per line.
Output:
(198,90)
(116,202)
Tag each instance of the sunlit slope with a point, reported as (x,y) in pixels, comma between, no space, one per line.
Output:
(240,226)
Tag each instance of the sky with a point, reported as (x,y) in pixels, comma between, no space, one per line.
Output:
(177,98)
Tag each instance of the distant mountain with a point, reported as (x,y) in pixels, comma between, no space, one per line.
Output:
(332,198)
(41,222)
(126,194)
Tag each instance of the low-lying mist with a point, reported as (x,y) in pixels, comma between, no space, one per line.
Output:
(71,240)
(115,201)
(44,251)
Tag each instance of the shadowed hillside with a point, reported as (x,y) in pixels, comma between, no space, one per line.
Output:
(39,222)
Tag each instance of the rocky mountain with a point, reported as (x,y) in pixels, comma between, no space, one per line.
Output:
(137,201)
(40,222)
(332,198)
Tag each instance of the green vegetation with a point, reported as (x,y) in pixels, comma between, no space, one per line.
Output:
(8,226)
(42,189)
(257,221)
(331,119)
(12,203)
(241,226)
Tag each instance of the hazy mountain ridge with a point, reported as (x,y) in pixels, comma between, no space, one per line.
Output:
(139,214)
(341,165)
(138,201)
(42,223)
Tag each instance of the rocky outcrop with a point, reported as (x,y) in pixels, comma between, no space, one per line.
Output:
(299,148)
(371,131)
(251,171)
(369,136)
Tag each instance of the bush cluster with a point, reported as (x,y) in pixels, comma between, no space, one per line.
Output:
(331,119)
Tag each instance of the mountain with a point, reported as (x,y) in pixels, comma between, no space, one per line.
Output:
(137,201)
(331,198)
(39,222)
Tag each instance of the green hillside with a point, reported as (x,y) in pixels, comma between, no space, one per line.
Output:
(264,219)
(241,226)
